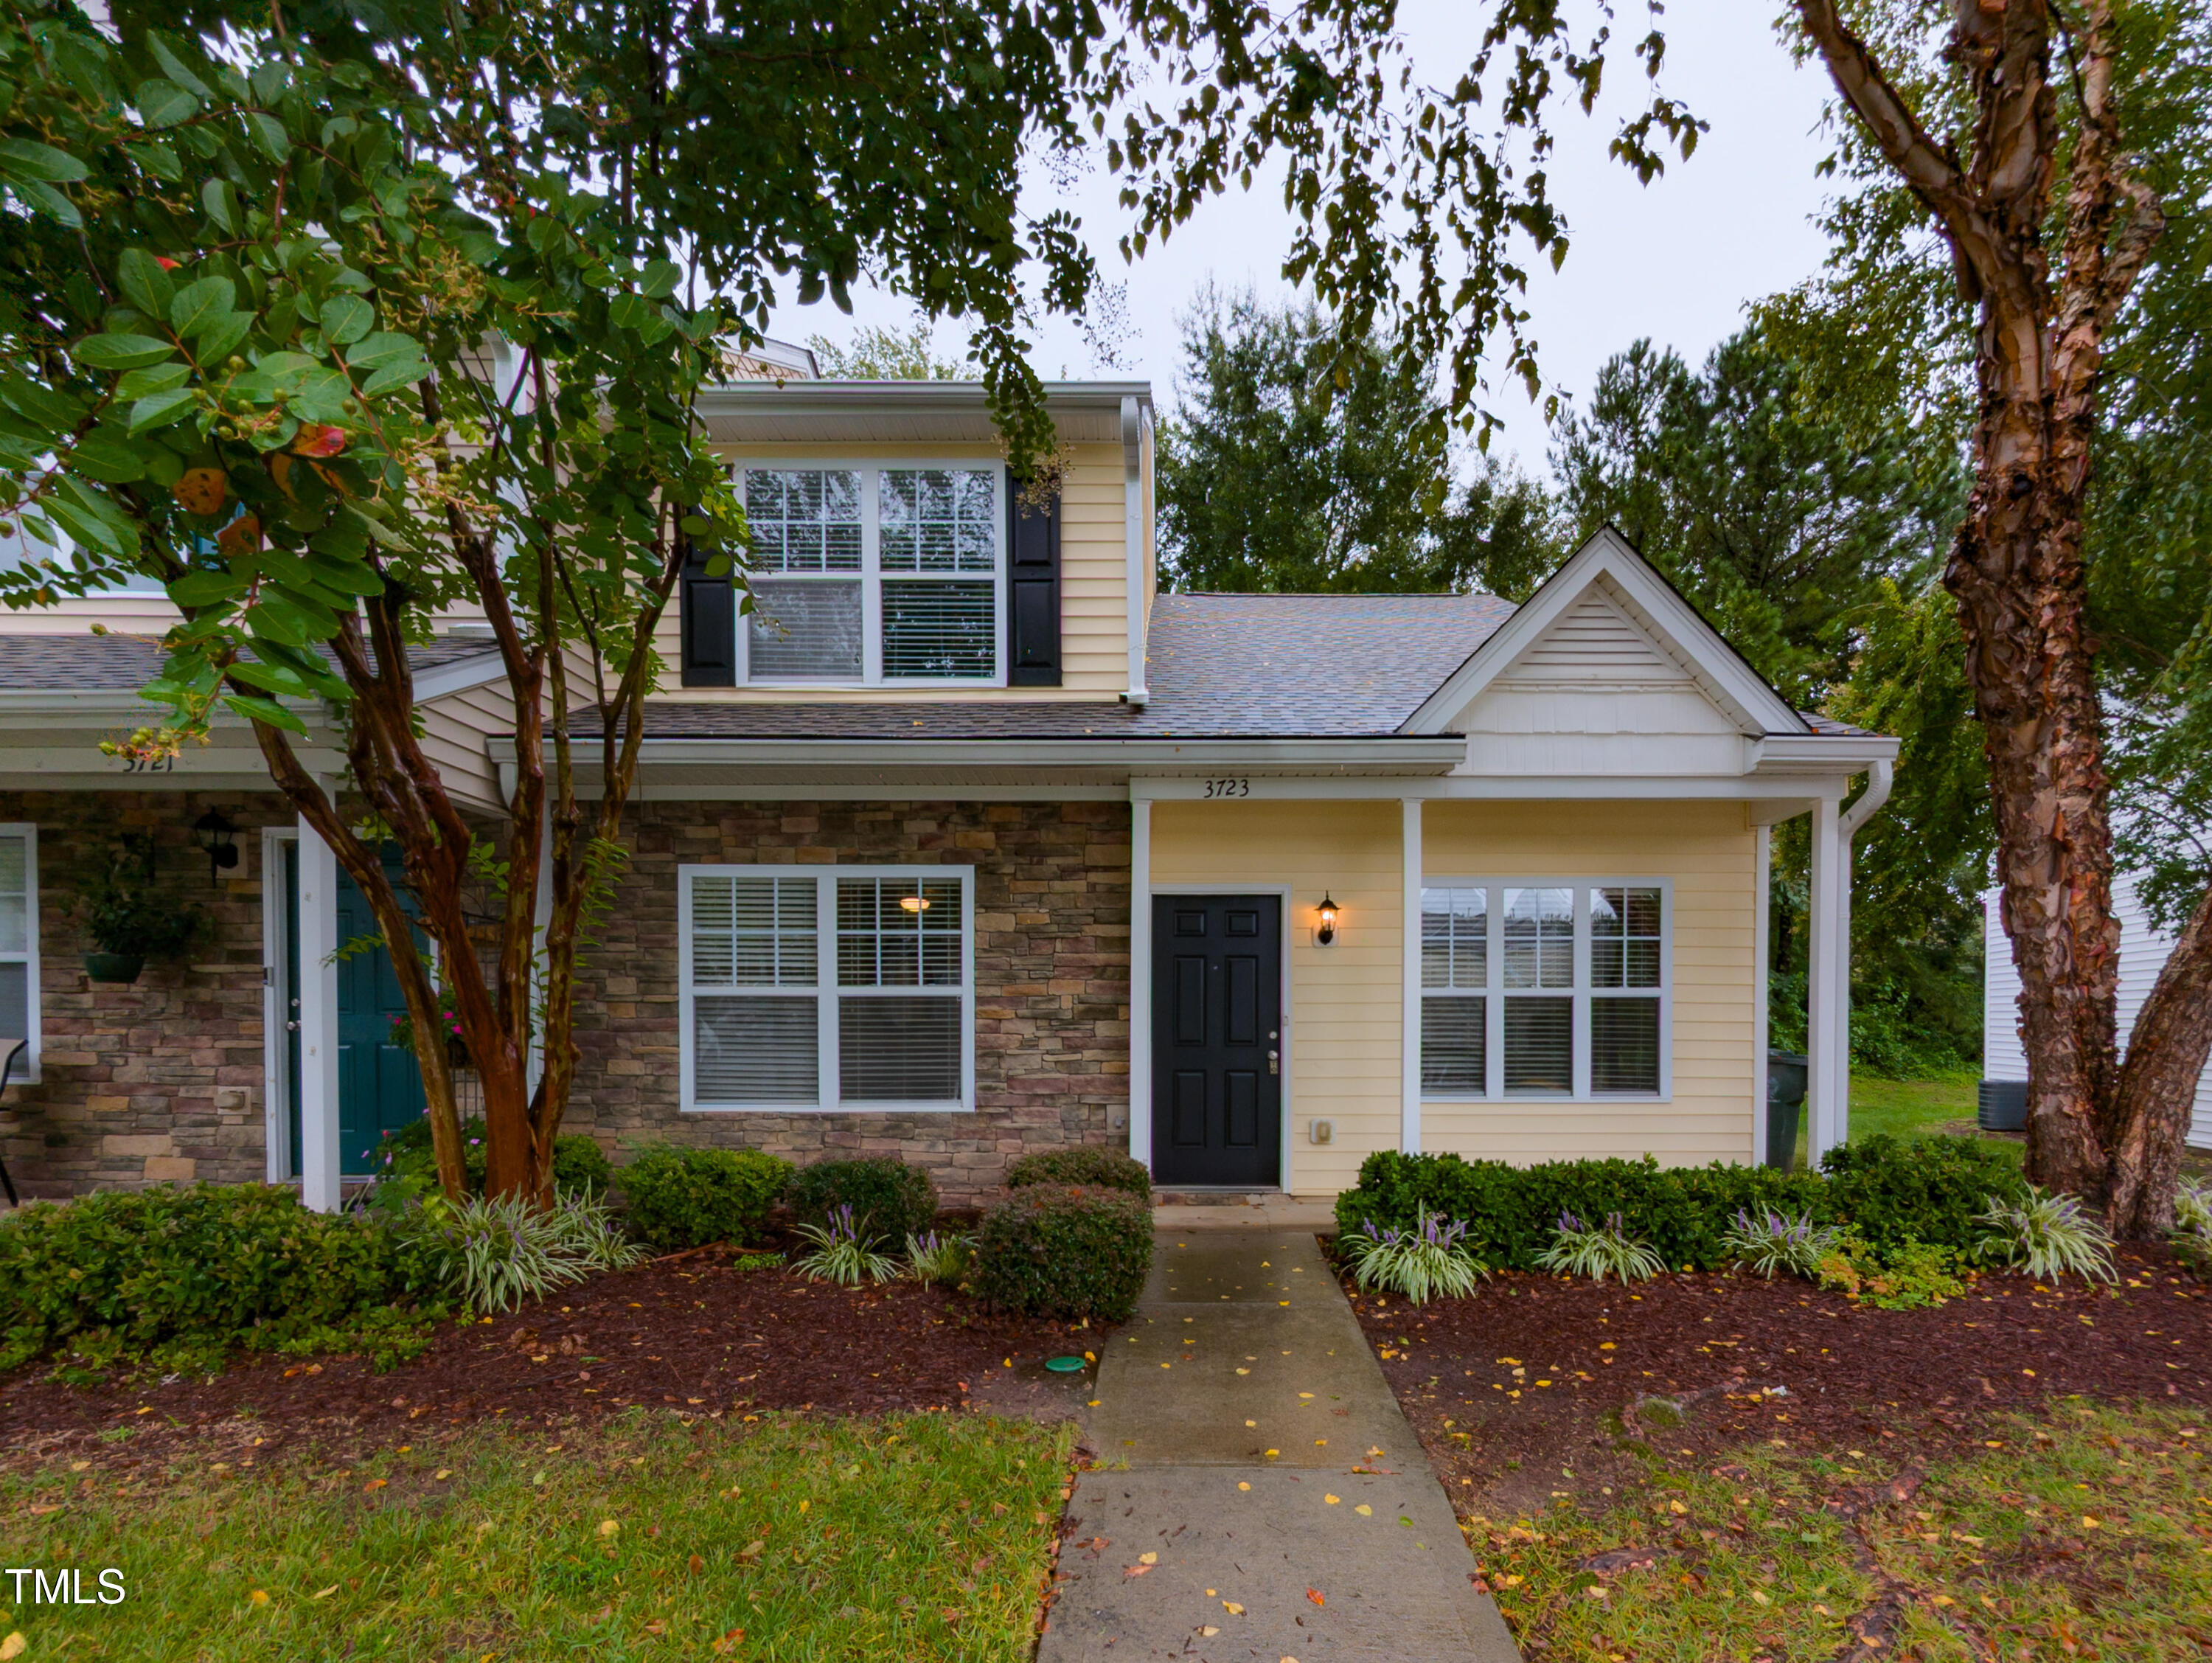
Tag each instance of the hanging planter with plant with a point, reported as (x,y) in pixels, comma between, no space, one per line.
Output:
(127,922)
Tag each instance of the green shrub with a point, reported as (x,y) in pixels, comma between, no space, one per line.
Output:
(890,1200)
(125,1274)
(1061,1250)
(1906,1277)
(1886,1190)
(580,1165)
(1513,1212)
(1108,1169)
(681,1198)
(1889,1190)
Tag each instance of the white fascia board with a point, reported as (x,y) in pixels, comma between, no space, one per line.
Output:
(1517,788)
(1717,666)
(1819,754)
(458,675)
(903,397)
(1414,754)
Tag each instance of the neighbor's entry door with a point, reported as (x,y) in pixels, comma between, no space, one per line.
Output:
(1216,1039)
(380,1084)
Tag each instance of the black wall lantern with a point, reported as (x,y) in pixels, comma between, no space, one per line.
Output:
(1327,933)
(220,838)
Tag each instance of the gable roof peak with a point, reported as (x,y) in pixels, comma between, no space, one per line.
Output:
(1608,564)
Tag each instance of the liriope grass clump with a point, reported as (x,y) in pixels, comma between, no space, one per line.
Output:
(841,1253)
(1598,1251)
(1769,1241)
(2051,1235)
(1431,1257)
(499,1251)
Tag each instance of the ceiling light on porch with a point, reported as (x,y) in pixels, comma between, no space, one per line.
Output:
(1327,933)
(912,903)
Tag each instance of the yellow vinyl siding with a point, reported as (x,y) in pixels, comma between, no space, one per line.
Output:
(1706,851)
(1342,1060)
(1093,553)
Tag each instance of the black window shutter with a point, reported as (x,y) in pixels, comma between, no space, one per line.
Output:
(707,613)
(1032,591)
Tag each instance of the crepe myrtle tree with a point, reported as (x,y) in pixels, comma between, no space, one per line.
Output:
(371,311)
(260,354)
(2003,123)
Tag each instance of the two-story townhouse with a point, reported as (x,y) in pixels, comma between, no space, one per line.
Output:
(964,840)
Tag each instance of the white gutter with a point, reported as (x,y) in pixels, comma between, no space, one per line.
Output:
(1132,534)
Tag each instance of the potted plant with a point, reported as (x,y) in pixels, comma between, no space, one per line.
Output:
(128,923)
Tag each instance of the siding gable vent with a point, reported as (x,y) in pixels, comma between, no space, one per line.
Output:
(1595,641)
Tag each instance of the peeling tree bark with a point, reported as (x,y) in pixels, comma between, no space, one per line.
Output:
(2111,1134)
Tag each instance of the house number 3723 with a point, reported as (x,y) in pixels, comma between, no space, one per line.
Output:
(1229,787)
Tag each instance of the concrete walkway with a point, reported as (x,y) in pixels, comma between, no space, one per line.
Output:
(1274,1503)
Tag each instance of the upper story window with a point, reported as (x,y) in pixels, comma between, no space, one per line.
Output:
(875,575)
(1550,990)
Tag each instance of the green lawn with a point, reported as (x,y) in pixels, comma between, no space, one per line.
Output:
(2084,1532)
(1908,1107)
(921,1536)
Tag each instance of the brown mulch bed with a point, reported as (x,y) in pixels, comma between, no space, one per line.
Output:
(1693,1364)
(686,1334)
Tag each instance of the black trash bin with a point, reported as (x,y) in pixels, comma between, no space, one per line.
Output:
(1785,1107)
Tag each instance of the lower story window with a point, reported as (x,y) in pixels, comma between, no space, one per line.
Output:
(1552,990)
(847,987)
(19,941)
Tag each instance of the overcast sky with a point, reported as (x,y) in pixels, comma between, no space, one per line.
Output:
(1675,260)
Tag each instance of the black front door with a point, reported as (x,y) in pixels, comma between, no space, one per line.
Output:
(1216,1039)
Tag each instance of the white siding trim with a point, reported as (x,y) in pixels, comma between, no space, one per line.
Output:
(1761,953)
(1409,1053)
(276,1077)
(1141,981)
(320,1187)
(827,993)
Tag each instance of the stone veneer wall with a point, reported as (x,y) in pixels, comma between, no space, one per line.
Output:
(160,1079)
(1052,980)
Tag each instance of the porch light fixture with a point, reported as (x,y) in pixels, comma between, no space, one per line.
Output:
(1327,933)
(914,904)
(219,838)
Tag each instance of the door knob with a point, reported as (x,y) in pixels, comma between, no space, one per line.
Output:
(1274,1063)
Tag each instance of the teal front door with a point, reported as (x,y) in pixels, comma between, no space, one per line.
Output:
(380,1085)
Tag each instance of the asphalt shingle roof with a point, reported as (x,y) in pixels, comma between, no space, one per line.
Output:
(123,663)
(1220,666)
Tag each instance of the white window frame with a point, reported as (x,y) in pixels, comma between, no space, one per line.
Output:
(32,1022)
(826,990)
(1495,993)
(871,574)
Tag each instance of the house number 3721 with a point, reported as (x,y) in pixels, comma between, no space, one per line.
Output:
(1229,787)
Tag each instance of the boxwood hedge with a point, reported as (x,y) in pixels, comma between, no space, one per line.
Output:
(1105,1168)
(1064,1249)
(1886,1190)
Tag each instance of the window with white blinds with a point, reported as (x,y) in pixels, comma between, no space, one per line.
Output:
(19,943)
(1556,989)
(838,987)
(868,576)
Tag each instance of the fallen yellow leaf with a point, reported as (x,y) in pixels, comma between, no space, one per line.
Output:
(1232,1608)
(1148,1558)
(612,1527)
(2089,1522)
(1241,1484)
(324,1594)
(1332,1499)
(259,1597)
(13,1645)
(1759,1597)
(1208,1632)
(1365,1511)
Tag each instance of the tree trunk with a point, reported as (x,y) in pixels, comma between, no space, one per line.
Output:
(2110,1134)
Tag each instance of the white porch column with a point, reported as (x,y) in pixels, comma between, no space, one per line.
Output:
(1826,1037)
(1409,1112)
(318,1023)
(1141,980)
(1761,956)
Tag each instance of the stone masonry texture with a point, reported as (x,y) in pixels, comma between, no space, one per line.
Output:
(160,1079)
(1052,980)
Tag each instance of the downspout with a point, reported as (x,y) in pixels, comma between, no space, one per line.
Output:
(1881,776)
(1132,534)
